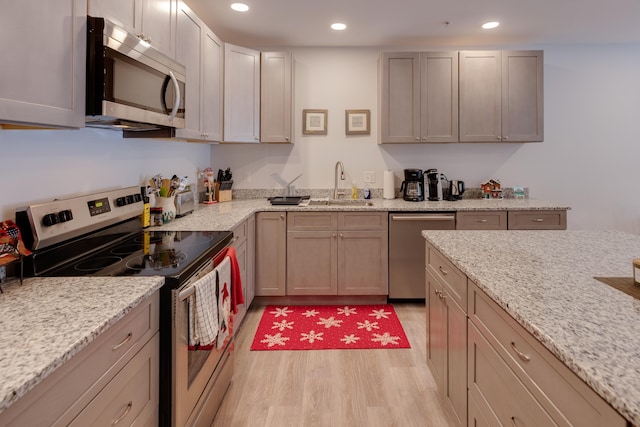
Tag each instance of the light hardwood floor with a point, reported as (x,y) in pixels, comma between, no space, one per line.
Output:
(333,388)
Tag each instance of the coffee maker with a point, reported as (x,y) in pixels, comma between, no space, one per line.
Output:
(413,185)
(434,184)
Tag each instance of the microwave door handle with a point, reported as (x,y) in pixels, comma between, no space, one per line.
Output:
(176,105)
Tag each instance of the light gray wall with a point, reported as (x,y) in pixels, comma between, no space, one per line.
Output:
(588,160)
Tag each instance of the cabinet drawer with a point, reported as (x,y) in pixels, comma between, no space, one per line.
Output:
(363,220)
(481,220)
(131,393)
(312,221)
(537,220)
(491,380)
(448,274)
(565,396)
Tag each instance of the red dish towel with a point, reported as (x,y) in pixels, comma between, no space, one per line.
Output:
(237,296)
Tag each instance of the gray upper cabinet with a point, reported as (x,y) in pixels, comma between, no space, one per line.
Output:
(241,94)
(501,96)
(276,97)
(419,102)
(202,53)
(43,87)
(151,20)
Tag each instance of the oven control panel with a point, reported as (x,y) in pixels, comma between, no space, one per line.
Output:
(48,223)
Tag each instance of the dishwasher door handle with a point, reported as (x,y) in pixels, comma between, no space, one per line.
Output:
(435,217)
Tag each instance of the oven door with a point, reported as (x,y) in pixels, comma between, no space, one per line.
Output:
(198,374)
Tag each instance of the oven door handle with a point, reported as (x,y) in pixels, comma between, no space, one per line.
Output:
(190,290)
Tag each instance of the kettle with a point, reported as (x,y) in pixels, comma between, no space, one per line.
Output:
(456,189)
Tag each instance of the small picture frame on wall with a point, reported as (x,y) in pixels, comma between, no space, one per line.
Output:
(357,122)
(314,122)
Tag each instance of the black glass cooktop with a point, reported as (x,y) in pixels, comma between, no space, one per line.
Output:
(142,253)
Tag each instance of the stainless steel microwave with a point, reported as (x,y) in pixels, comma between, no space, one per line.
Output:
(131,85)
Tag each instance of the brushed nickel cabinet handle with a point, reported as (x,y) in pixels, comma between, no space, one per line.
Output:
(123,342)
(121,417)
(520,354)
(537,220)
(482,220)
(282,216)
(442,270)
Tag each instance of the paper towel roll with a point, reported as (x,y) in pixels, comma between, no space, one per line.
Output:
(388,188)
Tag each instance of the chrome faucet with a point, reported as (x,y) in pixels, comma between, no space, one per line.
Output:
(335,176)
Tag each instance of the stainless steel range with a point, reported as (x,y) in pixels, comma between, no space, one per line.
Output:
(101,235)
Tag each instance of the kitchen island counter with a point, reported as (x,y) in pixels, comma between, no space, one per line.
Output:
(545,281)
(44,322)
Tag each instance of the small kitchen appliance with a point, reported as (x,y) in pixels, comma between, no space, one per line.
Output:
(434,184)
(412,187)
(101,234)
(456,189)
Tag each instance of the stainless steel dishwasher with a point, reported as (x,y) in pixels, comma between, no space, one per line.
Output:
(406,250)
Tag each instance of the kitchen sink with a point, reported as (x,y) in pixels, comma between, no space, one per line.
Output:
(339,202)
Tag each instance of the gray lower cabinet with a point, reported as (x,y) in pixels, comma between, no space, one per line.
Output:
(512,220)
(245,253)
(115,378)
(271,254)
(337,253)
(519,380)
(447,333)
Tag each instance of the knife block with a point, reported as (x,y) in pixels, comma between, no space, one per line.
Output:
(223,195)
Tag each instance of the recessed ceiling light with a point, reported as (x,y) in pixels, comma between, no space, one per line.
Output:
(239,7)
(490,25)
(338,26)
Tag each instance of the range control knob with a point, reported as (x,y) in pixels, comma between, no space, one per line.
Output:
(121,201)
(65,215)
(129,199)
(137,197)
(50,219)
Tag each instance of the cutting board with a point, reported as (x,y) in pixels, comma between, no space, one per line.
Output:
(624,284)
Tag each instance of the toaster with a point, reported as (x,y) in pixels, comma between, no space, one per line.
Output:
(185,203)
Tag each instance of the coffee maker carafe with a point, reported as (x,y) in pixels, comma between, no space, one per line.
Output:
(434,184)
(413,185)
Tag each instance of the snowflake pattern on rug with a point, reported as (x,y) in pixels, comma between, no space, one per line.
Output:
(329,327)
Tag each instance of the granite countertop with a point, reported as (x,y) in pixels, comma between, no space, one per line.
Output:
(46,321)
(545,281)
(227,215)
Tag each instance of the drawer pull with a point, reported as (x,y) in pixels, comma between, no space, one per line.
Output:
(121,417)
(123,342)
(482,220)
(538,220)
(442,270)
(520,354)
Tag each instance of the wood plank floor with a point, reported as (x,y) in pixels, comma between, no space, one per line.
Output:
(333,388)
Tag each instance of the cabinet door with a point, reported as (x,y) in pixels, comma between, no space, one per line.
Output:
(312,263)
(189,53)
(212,86)
(276,97)
(455,390)
(400,109)
(439,96)
(241,94)
(436,331)
(480,96)
(124,13)
(271,253)
(522,96)
(158,24)
(363,263)
(43,84)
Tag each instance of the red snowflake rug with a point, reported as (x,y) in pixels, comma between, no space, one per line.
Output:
(319,327)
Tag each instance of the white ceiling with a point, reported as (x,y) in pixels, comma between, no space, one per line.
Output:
(378,23)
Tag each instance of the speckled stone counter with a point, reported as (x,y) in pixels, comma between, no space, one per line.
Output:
(545,281)
(227,215)
(46,321)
